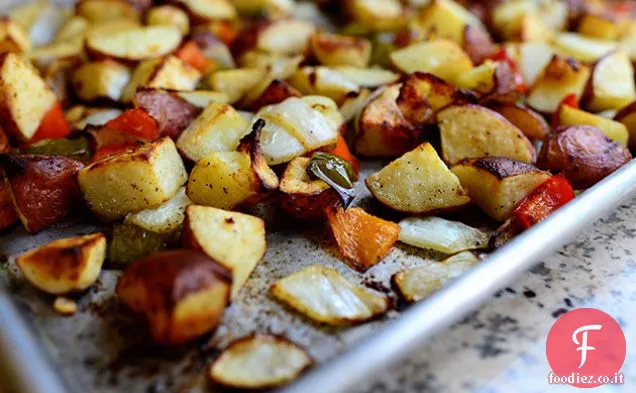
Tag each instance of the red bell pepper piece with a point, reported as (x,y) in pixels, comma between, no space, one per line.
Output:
(543,200)
(192,55)
(53,125)
(109,150)
(342,150)
(135,122)
(569,100)
(502,55)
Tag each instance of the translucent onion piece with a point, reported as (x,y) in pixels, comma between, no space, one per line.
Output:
(165,218)
(441,235)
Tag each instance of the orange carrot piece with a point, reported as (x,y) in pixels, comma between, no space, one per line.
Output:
(191,54)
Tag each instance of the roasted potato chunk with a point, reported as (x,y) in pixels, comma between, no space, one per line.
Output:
(208,10)
(368,77)
(496,184)
(583,154)
(616,131)
(24,97)
(611,85)
(235,83)
(470,131)
(132,44)
(171,111)
(598,25)
(301,197)
(532,59)
(344,304)
(583,49)
(477,44)
(100,80)
(134,180)
(234,240)
(418,182)
(164,73)
(378,15)
(322,81)
(181,293)
(13,38)
(339,50)
(562,76)
(97,11)
(627,116)
(64,265)
(532,124)
(167,15)
(442,58)
(43,188)
(446,19)
(218,128)
(247,363)
(493,81)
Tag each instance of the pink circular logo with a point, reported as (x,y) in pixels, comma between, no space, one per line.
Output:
(586,348)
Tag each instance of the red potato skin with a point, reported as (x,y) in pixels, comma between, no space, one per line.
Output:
(478,44)
(173,114)
(247,37)
(276,92)
(583,154)
(44,189)
(8,215)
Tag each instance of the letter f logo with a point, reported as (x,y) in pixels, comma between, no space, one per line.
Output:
(583,344)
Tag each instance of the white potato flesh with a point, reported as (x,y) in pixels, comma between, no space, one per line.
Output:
(368,77)
(259,361)
(418,283)
(323,295)
(135,44)
(612,83)
(286,37)
(441,235)
(165,218)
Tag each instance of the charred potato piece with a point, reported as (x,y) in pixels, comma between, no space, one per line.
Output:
(562,76)
(301,197)
(133,180)
(167,15)
(24,97)
(470,131)
(532,124)
(584,154)
(181,293)
(344,305)
(133,44)
(418,182)
(172,113)
(627,116)
(43,188)
(218,128)
(381,128)
(611,85)
(100,80)
(247,363)
(234,240)
(616,131)
(12,37)
(498,185)
(442,58)
(339,50)
(164,73)
(64,265)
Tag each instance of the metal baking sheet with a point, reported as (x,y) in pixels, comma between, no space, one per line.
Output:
(105,348)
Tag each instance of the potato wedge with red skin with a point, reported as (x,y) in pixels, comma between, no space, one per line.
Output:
(497,184)
(43,188)
(478,44)
(181,293)
(172,113)
(8,215)
(64,265)
(532,124)
(584,154)
(301,197)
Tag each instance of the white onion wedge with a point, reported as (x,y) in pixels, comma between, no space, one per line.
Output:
(441,235)
(165,218)
(323,295)
(259,361)
(368,77)
(418,283)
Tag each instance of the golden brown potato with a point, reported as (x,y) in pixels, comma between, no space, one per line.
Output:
(12,37)
(446,19)
(601,26)
(442,58)
(283,37)
(611,85)
(64,265)
(43,188)
(301,197)
(423,95)
(97,11)
(234,240)
(381,129)
(208,10)
(340,50)
(218,128)
(532,124)
(181,293)
(584,154)
(378,15)
(532,58)
(627,116)
(172,113)
(323,81)
(418,182)
(163,73)
(471,131)
(132,44)
(167,15)
(236,82)
(493,81)
(616,131)
(368,77)
(497,184)
(133,180)
(562,76)
(24,97)
(73,31)
(100,80)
